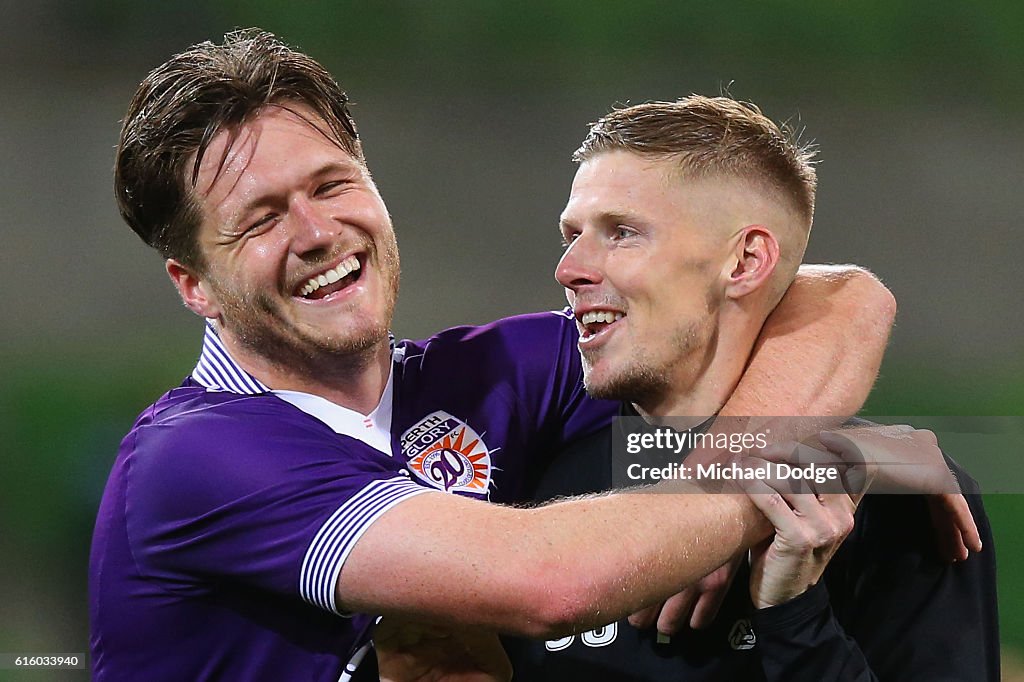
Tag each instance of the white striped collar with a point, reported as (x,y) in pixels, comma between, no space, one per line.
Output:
(218,371)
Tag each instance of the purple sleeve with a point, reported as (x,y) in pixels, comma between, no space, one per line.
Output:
(528,363)
(254,491)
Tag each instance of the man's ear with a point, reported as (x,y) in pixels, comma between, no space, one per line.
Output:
(193,289)
(755,258)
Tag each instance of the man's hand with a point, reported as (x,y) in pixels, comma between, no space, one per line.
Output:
(908,460)
(697,603)
(895,459)
(809,528)
(408,652)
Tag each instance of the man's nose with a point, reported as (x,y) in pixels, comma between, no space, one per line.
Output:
(580,265)
(312,228)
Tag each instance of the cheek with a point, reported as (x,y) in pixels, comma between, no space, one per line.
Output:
(262,251)
(262,262)
(369,212)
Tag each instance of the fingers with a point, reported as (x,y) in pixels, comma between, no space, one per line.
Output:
(956,505)
(698,603)
(713,591)
(858,475)
(790,452)
(803,521)
(771,503)
(676,611)
(948,540)
(824,520)
(953,527)
(645,618)
(809,527)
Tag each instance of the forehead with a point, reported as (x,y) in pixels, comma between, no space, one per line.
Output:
(626,173)
(622,182)
(282,139)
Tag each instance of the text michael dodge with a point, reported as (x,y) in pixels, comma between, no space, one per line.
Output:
(733,472)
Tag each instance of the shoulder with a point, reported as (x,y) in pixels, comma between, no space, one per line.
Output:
(197,448)
(193,419)
(532,356)
(536,331)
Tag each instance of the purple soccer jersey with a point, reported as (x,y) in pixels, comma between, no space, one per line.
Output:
(476,408)
(231,508)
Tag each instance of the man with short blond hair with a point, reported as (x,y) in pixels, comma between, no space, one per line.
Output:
(683,228)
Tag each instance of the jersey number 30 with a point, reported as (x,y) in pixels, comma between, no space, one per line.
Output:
(602,636)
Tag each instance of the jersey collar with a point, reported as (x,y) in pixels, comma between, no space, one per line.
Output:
(218,371)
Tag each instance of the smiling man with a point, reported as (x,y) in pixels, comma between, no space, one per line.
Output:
(685,225)
(300,297)
(301,472)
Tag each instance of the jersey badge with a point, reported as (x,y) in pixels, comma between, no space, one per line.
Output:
(446,453)
(742,636)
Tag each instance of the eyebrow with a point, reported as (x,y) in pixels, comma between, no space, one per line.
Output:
(266,199)
(627,217)
(616,217)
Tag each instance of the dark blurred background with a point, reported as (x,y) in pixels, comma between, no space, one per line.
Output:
(469,113)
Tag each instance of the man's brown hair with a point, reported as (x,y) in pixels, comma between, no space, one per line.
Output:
(711,136)
(183,104)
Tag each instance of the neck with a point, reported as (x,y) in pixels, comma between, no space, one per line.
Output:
(355,381)
(704,390)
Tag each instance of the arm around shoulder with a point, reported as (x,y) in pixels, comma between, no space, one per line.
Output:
(820,349)
(545,571)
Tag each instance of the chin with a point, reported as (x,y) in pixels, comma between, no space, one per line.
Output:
(355,339)
(599,385)
(635,384)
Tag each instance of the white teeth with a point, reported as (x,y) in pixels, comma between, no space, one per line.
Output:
(605,316)
(349,265)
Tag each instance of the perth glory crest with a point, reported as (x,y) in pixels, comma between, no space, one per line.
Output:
(447,453)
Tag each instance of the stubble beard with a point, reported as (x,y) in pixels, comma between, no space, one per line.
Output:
(640,381)
(258,321)
(645,380)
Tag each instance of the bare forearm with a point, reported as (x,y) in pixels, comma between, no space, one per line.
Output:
(819,351)
(546,571)
(625,566)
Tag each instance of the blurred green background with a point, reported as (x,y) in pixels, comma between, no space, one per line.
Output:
(469,112)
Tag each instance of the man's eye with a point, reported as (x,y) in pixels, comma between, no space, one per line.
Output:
(262,222)
(623,232)
(328,187)
(568,238)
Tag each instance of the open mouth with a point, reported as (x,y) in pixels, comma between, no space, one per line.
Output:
(594,323)
(342,276)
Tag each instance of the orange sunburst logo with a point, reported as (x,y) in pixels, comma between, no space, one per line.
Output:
(452,457)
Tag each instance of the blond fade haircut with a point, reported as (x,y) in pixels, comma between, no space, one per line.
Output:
(713,137)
